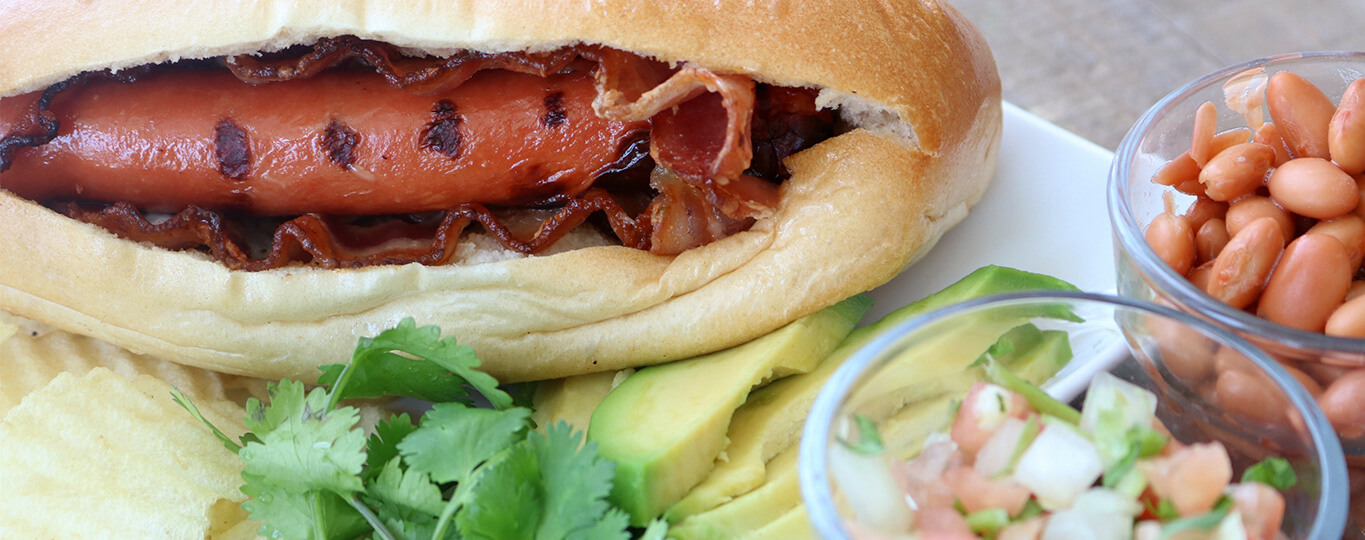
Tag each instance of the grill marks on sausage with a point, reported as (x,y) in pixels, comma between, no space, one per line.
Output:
(339,141)
(231,149)
(442,134)
(554,110)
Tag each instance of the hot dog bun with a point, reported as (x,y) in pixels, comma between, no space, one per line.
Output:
(918,84)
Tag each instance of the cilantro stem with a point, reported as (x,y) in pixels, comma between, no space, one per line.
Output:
(374,521)
(180,398)
(462,490)
(319,521)
(334,393)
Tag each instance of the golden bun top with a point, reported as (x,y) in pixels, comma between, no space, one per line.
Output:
(922,52)
(914,79)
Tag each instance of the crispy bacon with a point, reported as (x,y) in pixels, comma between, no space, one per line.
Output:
(329,242)
(418,75)
(43,124)
(684,108)
(684,218)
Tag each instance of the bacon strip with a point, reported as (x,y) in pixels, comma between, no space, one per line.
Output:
(329,243)
(43,125)
(416,75)
(684,218)
(684,109)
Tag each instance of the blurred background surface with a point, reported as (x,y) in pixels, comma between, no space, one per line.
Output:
(1094,66)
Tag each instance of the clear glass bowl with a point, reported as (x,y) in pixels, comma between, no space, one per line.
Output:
(1163,133)
(1137,341)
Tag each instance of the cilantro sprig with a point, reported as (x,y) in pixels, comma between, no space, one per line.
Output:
(461,472)
(1275,472)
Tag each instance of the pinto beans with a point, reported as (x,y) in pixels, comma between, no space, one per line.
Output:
(1237,171)
(1346,131)
(1248,209)
(1278,228)
(1311,280)
(1313,187)
(1303,113)
(1172,240)
(1241,269)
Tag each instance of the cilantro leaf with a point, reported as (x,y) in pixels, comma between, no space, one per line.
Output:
(287,399)
(307,449)
(464,472)
(1274,472)
(375,370)
(286,513)
(1203,522)
(1165,510)
(405,500)
(454,439)
(576,481)
(612,526)
(505,503)
(385,374)
(383,443)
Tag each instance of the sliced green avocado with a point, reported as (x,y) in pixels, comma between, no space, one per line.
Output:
(984,281)
(772,418)
(571,399)
(793,525)
(770,510)
(665,425)
(751,511)
(1044,359)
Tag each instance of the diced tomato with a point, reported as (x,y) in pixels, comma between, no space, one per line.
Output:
(1262,509)
(920,477)
(983,410)
(942,522)
(976,492)
(1192,478)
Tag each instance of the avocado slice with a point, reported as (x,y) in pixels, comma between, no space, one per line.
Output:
(793,525)
(772,418)
(665,425)
(752,511)
(771,511)
(572,399)
(1043,360)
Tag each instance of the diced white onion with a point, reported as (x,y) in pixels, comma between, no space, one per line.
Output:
(866,482)
(1058,466)
(996,454)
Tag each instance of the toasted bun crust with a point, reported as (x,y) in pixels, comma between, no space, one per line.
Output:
(918,83)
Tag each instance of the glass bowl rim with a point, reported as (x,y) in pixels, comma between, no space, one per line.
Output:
(1330,521)
(1163,280)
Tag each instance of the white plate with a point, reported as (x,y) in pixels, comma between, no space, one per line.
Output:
(1044,212)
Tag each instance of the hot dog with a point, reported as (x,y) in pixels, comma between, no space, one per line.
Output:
(336,143)
(699,246)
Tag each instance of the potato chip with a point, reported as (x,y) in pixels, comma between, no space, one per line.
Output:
(33,354)
(100,456)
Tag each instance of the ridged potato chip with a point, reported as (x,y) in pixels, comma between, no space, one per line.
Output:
(101,456)
(32,354)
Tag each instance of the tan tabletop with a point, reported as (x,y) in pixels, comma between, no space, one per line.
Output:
(1094,66)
